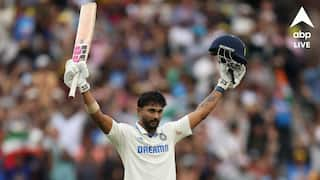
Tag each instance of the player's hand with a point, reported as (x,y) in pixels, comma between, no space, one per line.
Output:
(225,77)
(238,73)
(71,69)
(231,74)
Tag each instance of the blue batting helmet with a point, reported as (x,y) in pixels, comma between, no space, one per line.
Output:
(232,42)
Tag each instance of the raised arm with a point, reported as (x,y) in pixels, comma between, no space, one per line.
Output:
(91,105)
(225,82)
(230,51)
(204,108)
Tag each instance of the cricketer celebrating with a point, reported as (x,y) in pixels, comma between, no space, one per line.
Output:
(147,150)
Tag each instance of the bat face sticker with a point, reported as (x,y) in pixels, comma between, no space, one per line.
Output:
(80,53)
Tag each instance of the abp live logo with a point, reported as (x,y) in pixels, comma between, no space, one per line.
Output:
(302,38)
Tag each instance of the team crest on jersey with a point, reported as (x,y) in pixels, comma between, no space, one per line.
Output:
(162,136)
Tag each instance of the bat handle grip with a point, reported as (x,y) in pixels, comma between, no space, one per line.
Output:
(74,83)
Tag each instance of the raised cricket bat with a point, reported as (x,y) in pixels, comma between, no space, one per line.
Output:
(83,38)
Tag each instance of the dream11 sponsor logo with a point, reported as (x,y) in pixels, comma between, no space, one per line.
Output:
(302,38)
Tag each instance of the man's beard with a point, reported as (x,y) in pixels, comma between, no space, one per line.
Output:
(150,125)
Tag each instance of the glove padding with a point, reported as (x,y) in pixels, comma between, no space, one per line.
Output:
(227,80)
(71,69)
(238,75)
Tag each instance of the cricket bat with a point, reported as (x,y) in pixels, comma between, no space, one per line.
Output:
(83,38)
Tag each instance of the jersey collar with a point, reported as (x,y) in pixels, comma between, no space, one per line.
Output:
(144,132)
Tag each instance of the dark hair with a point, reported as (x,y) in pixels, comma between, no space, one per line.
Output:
(150,97)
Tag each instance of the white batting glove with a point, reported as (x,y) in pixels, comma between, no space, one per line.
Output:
(71,69)
(227,80)
(238,74)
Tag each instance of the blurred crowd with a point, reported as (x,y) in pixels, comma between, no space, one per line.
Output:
(267,128)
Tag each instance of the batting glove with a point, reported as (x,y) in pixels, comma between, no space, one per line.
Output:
(225,77)
(231,71)
(238,74)
(71,69)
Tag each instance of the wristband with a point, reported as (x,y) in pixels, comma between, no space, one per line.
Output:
(219,89)
(92,108)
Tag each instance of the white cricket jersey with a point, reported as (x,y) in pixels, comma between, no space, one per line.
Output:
(148,158)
